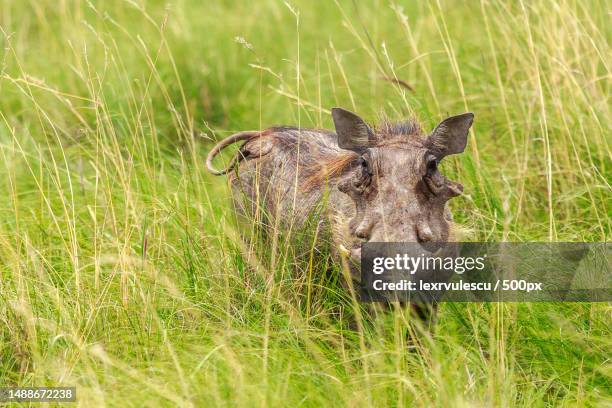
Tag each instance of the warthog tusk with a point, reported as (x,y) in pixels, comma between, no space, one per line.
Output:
(343,250)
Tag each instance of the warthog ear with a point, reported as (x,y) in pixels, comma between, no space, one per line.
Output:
(353,133)
(450,136)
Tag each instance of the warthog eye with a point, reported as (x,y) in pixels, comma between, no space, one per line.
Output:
(364,164)
(432,164)
(362,176)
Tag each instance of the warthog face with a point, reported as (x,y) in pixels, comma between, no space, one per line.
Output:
(394,181)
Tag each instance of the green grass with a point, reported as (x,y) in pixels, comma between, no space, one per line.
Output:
(122,270)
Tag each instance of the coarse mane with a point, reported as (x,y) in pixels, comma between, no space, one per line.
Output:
(328,169)
(388,129)
(387,132)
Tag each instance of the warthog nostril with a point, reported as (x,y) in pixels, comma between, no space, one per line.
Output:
(364,229)
(362,232)
(424,233)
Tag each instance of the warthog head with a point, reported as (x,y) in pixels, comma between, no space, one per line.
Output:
(393,178)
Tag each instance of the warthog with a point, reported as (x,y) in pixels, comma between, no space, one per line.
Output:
(381,184)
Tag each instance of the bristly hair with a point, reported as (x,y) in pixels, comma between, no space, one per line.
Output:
(389,129)
(386,131)
(327,170)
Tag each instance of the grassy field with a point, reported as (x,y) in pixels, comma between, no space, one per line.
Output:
(122,270)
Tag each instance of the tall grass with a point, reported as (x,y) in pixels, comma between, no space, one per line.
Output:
(123,271)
